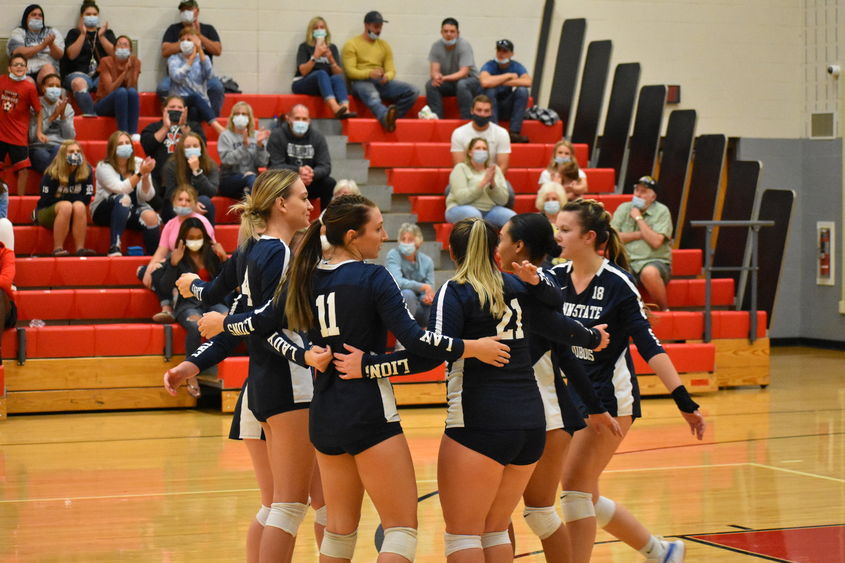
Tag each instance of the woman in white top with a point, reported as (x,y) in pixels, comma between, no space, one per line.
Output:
(124,187)
(242,150)
(478,188)
(42,46)
(563,153)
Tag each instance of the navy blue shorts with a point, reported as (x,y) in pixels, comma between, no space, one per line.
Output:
(356,446)
(507,447)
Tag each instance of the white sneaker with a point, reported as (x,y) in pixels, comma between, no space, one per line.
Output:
(674,551)
(136,138)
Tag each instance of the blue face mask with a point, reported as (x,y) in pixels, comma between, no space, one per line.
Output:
(407,248)
(91,21)
(192,151)
(36,24)
(318,33)
(504,61)
(123,151)
(122,53)
(449,42)
(372,35)
(17,78)
(638,202)
(299,127)
(562,159)
(551,207)
(53,93)
(480,156)
(182,210)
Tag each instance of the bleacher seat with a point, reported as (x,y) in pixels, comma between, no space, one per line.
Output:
(434,131)
(687,358)
(438,155)
(93,271)
(523,180)
(78,304)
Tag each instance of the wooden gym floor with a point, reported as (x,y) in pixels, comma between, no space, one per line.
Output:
(767,483)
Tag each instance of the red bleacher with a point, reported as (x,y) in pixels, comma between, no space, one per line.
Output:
(523,180)
(93,271)
(435,131)
(438,155)
(78,304)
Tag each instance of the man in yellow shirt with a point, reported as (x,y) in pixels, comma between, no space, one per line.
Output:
(368,63)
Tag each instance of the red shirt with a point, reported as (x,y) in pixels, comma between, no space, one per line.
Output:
(16,101)
(7,270)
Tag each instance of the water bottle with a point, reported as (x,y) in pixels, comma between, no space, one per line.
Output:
(36,323)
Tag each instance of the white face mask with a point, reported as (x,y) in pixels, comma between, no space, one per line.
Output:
(194,244)
(179,210)
(240,121)
(480,156)
(122,53)
(52,93)
(192,151)
(299,127)
(36,24)
(373,35)
(562,159)
(449,42)
(187,16)
(187,47)
(91,21)
(123,151)
(319,34)
(17,78)
(551,207)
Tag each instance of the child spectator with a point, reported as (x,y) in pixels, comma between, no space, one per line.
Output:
(56,123)
(242,150)
(42,46)
(118,87)
(413,272)
(124,188)
(18,97)
(318,70)
(86,45)
(189,71)
(191,165)
(563,158)
(66,191)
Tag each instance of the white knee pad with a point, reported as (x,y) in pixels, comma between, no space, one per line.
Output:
(401,541)
(605,508)
(542,520)
(576,505)
(262,515)
(287,516)
(492,539)
(337,545)
(458,542)
(321,516)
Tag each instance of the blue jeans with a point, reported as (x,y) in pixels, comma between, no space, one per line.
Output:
(318,82)
(41,157)
(123,104)
(236,185)
(112,213)
(497,215)
(509,102)
(214,87)
(4,204)
(83,98)
(371,92)
(192,333)
(464,89)
(418,310)
(197,103)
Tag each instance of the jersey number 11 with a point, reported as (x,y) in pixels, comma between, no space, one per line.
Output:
(328,323)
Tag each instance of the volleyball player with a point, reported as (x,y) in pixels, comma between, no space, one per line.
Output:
(599,289)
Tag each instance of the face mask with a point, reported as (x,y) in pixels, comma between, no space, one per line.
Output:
(187,16)
(74,159)
(36,24)
(480,156)
(91,21)
(299,127)
(187,47)
(122,53)
(194,244)
(504,61)
(551,207)
(240,121)
(449,42)
(17,78)
(182,210)
(52,93)
(192,151)
(372,35)
(318,33)
(562,159)
(324,242)
(123,151)
(407,248)
(481,120)
(638,202)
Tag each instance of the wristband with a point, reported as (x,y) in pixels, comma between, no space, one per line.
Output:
(683,400)
(596,338)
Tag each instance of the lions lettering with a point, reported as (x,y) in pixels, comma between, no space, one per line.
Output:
(242,328)
(387,369)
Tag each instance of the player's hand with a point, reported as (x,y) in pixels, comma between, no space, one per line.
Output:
(349,365)
(605,337)
(696,423)
(488,350)
(183,284)
(211,324)
(603,422)
(176,376)
(318,357)
(526,271)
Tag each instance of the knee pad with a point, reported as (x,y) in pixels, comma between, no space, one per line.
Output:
(605,508)
(492,539)
(576,505)
(337,545)
(321,516)
(287,516)
(401,541)
(542,520)
(262,515)
(457,542)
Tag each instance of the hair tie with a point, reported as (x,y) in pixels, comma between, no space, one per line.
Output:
(320,218)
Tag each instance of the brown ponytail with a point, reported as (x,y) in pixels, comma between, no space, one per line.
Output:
(594,217)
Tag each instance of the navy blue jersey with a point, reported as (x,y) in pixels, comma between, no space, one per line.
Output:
(611,298)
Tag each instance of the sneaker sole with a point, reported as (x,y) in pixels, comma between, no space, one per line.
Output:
(675,549)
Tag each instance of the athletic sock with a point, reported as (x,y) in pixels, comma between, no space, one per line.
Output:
(654,549)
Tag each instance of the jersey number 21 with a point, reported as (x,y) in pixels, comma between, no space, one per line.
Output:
(516,332)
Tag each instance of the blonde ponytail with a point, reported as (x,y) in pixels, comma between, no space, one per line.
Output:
(473,242)
(255,208)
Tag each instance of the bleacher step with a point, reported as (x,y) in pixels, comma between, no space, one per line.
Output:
(382,196)
(352,169)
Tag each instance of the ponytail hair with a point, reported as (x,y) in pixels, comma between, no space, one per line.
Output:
(345,213)
(594,217)
(255,207)
(535,231)
(473,242)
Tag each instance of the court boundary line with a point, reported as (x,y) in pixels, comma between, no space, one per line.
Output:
(735,549)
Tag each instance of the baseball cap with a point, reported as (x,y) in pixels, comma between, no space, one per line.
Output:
(504,44)
(374,17)
(648,182)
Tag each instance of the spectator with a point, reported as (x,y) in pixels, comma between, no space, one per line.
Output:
(19,98)
(299,147)
(242,150)
(56,124)
(190,71)
(563,156)
(645,226)
(86,44)
(195,253)
(189,15)
(184,204)
(42,46)
(413,272)
(159,139)
(368,63)
(124,188)
(551,197)
(478,188)
(7,280)
(345,187)
(191,165)
(318,70)
(66,191)
(452,69)
(7,230)
(498,141)
(506,83)
(118,87)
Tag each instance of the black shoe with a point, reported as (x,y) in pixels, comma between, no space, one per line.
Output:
(390,119)
(517,138)
(344,113)
(85,252)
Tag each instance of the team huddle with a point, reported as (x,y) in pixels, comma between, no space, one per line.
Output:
(318,414)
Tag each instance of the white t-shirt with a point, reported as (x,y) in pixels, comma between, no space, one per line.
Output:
(497,137)
(546,176)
